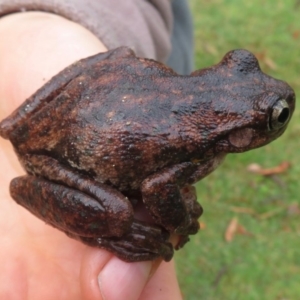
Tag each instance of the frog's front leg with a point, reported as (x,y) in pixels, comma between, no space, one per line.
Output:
(86,210)
(171,201)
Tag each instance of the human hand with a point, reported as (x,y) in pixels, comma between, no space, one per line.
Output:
(38,261)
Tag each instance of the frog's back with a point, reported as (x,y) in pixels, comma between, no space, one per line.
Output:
(127,90)
(117,60)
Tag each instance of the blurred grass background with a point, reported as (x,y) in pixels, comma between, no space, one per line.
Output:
(264,261)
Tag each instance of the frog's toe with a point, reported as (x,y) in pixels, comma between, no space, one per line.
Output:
(143,242)
(194,210)
(191,227)
(131,252)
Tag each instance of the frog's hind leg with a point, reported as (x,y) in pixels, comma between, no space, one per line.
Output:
(86,210)
(65,208)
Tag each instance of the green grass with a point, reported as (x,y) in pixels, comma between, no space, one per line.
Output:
(265,264)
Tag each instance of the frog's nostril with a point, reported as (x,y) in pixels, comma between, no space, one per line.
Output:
(280,114)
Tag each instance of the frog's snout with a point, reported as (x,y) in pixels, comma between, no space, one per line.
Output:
(280,114)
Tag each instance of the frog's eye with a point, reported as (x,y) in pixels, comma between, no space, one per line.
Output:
(280,114)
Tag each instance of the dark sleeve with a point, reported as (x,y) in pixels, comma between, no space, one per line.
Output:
(181,58)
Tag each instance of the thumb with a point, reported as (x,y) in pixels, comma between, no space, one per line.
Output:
(104,276)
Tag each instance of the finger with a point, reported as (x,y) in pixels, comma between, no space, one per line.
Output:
(104,276)
(163,284)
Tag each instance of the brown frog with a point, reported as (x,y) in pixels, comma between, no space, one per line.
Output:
(114,130)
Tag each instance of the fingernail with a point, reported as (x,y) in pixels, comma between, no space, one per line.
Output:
(121,280)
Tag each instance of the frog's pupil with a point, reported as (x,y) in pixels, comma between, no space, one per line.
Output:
(284,115)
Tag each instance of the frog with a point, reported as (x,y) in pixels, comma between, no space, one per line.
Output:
(113,145)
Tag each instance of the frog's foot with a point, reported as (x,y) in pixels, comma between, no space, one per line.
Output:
(171,203)
(194,211)
(142,242)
